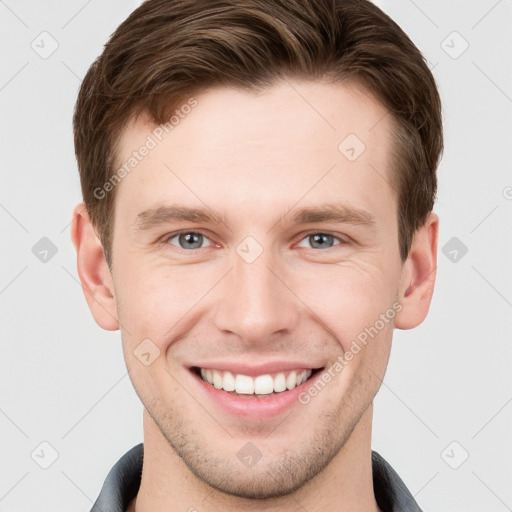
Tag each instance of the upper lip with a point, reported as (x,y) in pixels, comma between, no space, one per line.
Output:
(255,369)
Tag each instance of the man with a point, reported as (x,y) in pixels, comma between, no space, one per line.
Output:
(258,182)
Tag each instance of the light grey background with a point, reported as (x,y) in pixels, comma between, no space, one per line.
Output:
(447,392)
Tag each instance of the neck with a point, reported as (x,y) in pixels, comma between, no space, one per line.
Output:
(344,485)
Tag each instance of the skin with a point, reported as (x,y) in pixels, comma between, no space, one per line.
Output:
(278,151)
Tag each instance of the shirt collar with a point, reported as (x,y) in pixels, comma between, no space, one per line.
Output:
(123,482)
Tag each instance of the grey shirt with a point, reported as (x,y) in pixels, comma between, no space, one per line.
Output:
(123,481)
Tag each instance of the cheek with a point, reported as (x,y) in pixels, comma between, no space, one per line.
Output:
(348,299)
(156,301)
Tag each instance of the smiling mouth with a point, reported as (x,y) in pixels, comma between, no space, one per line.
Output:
(259,386)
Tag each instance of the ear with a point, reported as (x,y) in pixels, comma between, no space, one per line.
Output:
(418,275)
(93,270)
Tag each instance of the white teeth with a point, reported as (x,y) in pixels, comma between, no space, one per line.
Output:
(302,377)
(279,383)
(291,380)
(217,379)
(261,385)
(244,385)
(229,382)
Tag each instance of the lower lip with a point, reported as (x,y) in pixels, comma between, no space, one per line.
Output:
(252,406)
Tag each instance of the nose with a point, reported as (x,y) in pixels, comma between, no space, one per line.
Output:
(255,302)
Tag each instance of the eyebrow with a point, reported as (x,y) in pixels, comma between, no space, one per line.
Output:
(174,213)
(339,213)
(330,212)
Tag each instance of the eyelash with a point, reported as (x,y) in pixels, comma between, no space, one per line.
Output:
(169,237)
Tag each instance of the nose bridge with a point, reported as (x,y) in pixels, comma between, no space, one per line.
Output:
(255,303)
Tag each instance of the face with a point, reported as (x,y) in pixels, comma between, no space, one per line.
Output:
(294,255)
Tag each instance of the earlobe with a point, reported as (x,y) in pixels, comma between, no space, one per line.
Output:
(418,275)
(93,270)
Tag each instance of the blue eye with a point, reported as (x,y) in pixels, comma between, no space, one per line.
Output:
(188,240)
(191,240)
(320,240)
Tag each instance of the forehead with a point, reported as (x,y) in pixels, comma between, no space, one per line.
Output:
(293,141)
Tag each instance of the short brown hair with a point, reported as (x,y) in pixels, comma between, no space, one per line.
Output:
(168,50)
